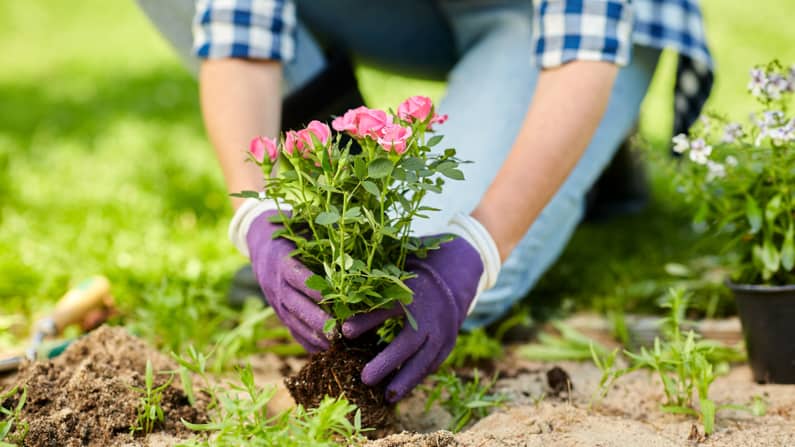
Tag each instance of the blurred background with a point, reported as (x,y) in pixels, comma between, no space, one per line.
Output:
(105,168)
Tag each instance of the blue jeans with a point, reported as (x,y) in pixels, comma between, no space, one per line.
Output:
(483,49)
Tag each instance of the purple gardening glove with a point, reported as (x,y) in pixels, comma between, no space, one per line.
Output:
(283,281)
(445,286)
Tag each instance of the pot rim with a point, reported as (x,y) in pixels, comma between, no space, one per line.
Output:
(759,287)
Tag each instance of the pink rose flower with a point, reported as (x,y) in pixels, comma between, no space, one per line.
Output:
(415,108)
(259,146)
(370,122)
(362,122)
(393,137)
(347,122)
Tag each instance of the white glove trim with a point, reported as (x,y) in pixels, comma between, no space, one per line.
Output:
(241,221)
(475,233)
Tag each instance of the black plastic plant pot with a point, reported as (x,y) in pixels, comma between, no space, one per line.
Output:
(767,314)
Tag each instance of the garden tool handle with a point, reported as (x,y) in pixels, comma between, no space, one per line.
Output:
(91,294)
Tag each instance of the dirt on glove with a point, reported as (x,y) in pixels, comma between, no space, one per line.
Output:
(85,397)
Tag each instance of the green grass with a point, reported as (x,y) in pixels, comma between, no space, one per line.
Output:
(104,166)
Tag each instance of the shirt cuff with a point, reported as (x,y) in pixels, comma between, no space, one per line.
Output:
(262,29)
(244,216)
(585,30)
(476,234)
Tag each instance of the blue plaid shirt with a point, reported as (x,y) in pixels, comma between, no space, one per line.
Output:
(563,31)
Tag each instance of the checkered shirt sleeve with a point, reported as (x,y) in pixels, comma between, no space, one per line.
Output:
(592,30)
(249,29)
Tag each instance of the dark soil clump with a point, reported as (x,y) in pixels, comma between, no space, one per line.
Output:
(85,398)
(337,372)
(559,381)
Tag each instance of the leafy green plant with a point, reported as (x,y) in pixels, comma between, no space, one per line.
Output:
(570,345)
(253,334)
(740,178)
(240,417)
(686,366)
(352,204)
(473,347)
(176,313)
(12,428)
(150,413)
(466,401)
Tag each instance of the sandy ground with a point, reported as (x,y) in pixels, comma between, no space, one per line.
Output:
(628,416)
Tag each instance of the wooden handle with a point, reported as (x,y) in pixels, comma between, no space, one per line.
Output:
(92,293)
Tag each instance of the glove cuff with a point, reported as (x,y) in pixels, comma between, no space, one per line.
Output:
(475,233)
(244,216)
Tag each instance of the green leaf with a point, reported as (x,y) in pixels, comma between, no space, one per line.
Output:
(410,318)
(353,213)
(371,188)
(708,415)
(246,194)
(360,167)
(317,282)
(770,256)
(329,325)
(412,164)
(754,214)
(401,294)
(788,249)
(773,208)
(455,174)
(327,218)
(436,139)
(187,384)
(379,168)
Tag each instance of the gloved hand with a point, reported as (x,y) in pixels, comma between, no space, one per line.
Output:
(281,277)
(447,283)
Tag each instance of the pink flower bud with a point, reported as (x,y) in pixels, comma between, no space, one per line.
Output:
(415,108)
(259,146)
(320,130)
(292,142)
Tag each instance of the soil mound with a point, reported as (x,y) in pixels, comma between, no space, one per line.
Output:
(337,372)
(85,397)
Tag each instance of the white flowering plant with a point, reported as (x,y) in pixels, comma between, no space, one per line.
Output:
(741,177)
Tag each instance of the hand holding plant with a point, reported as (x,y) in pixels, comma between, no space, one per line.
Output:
(333,242)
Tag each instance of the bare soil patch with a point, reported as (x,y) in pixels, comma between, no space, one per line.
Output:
(85,398)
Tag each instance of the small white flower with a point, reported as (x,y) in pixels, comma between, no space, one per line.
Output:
(769,119)
(262,195)
(776,84)
(758,81)
(791,78)
(732,132)
(699,151)
(715,170)
(731,160)
(705,122)
(781,135)
(681,143)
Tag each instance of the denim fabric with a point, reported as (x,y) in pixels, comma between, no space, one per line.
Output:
(485,49)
